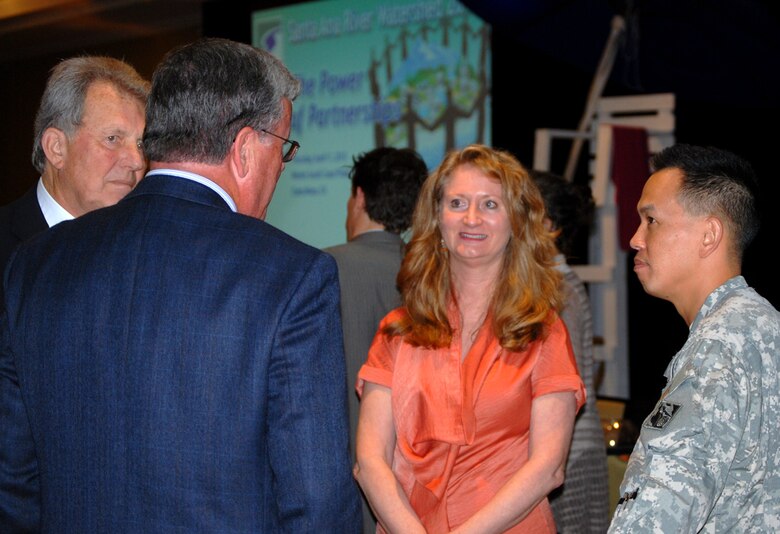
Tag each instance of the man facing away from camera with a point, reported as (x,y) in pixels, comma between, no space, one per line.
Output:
(173,363)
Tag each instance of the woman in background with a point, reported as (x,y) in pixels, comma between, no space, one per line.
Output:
(581,504)
(470,389)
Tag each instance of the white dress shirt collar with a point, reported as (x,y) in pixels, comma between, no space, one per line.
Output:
(51,209)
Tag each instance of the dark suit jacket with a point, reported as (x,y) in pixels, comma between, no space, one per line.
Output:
(368,266)
(167,365)
(19,220)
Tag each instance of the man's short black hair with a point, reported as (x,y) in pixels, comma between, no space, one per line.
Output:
(390,179)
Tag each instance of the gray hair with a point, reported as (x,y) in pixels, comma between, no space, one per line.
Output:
(204,92)
(62,103)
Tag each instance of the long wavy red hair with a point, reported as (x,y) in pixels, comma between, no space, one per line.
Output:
(527,290)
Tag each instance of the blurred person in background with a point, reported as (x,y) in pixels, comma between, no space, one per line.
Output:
(581,504)
(385,182)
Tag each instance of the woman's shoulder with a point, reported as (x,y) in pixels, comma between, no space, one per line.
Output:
(396,314)
(554,326)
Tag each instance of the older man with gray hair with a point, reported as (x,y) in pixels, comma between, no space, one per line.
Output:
(87,146)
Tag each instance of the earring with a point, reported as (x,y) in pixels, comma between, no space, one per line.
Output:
(443,245)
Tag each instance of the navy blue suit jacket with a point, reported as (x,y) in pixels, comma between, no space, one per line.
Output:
(167,365)
(20,220)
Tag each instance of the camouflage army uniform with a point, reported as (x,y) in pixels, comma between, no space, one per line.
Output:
(707,458)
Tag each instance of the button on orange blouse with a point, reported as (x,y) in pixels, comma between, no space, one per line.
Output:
(462,427)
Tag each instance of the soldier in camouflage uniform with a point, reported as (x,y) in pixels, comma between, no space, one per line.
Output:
(707,458)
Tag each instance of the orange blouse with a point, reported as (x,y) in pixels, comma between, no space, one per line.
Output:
(462,427)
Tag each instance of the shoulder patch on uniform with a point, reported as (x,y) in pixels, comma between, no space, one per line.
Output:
(662,415)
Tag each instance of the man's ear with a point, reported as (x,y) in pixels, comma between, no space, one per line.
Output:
(55,146)
(241,153)
(360,198)
(713,235)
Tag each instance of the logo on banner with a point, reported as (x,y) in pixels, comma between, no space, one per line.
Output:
(268,32)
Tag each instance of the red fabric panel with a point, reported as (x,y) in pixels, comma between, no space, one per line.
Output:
(630,169)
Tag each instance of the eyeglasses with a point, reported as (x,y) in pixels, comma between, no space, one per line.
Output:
(294,146)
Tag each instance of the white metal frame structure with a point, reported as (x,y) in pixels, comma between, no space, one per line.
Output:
(605,275)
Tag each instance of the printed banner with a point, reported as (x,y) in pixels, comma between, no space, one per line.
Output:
(373,73)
